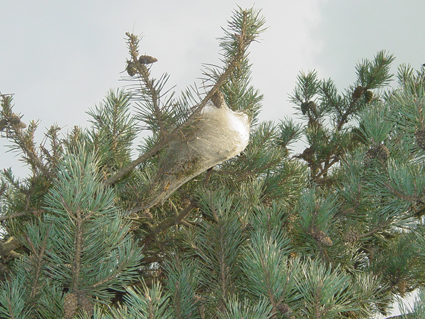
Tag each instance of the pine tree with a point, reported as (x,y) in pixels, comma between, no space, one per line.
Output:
(203,223)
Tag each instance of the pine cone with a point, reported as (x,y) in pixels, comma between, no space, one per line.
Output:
(370,155)
(131,68)
(368,96)
(402,285)
(304,107)
(350,314)
(21,125)
(383,153)
(86,304)
(420,138)
(322,238)
(70,305)
(292,254)
(312,107)
(15,119)
(285,310)
(147,59)
(351,236)
(380,152)
(3,124)
(357,135)
(357,92)
(308,155)
(309,107)
(217,99)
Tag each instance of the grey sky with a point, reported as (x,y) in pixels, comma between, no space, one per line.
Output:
(60,58)
(351,30)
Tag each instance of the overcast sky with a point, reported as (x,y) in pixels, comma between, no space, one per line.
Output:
(60,58)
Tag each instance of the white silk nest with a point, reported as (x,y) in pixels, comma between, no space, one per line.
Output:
(211,137)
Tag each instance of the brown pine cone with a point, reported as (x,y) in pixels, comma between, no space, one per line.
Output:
(147,59)
(368,96)
(357,92)
(420,138)
(70,305)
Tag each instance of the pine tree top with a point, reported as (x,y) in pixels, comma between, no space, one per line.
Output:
(213,214)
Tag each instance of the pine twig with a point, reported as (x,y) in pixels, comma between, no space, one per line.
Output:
(244,40)
(406,316)
(26,146)
(76,267)
(174,220)
(12,216)
(125,170)
(38,257)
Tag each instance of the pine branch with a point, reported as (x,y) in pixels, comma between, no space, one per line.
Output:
(348,112)
(376,229)
(402,195)
(152,109)
(112,276)
(12,216)
(76,265)
(144,303)
(127,169)
(372,76)
(37,259)
(23,140)
(174,220)
(327,165)
(92,250)
(248,24)
(404,316)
